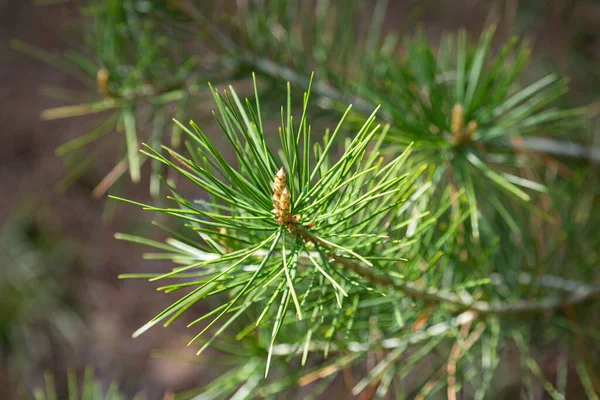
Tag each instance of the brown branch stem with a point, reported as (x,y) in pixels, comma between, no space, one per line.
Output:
(570,296)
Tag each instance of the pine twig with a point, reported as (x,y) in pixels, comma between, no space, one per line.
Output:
(536,144)
(548,303)
(574,295)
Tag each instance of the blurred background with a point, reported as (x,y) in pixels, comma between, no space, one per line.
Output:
(61,303)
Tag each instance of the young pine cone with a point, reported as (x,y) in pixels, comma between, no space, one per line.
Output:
(281,198)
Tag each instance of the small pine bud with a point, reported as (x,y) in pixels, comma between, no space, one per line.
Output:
(278,186)
(471,128)
(102,81)
(280,182)
(281,198)
(458,119)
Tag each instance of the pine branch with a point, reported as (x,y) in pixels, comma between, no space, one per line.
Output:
(322,89)
(257,224)
(578,292)
(237,49)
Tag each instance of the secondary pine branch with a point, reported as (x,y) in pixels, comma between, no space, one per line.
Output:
(576,294)
(537,144)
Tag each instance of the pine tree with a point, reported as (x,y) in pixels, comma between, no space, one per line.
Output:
(419,231)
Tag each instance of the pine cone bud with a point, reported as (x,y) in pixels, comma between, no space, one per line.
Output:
(281,198)
(102,80)
(280,183)
(458,119)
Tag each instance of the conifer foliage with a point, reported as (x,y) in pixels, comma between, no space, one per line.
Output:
(412,232)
